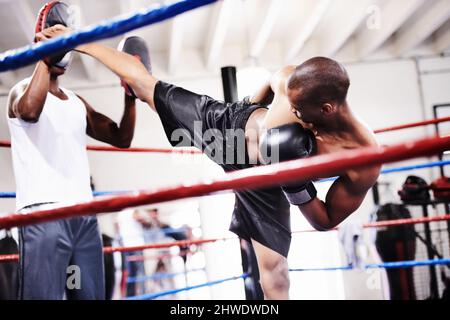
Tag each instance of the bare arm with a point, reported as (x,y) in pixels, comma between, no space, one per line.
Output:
(26,102)
(104,129)
(343,198)
(127,67)
(264,95)
(274,86)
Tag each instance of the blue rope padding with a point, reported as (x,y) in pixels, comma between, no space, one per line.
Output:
(152,296)
(95,193)
(401,169)
(385,265)
(408,264)
(161,275)
(109,193)
(417,166)
(321,269)
(26,55)
(7,194)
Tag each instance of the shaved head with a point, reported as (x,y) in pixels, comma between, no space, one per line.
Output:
(317,81)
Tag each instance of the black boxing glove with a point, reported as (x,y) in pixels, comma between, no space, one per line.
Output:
(290,142)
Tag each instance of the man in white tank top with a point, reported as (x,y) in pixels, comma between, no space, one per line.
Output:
(48,126)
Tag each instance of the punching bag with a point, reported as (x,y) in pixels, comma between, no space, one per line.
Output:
(9,279)
(397,244)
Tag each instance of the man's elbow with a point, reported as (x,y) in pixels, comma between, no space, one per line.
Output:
(123,143)
(31,117)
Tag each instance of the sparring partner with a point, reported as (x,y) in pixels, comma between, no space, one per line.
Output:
(48,126)
(309,115)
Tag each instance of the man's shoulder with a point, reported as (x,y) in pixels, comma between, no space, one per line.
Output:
(22,83)
(16,90)
(285,71)
(19,86)
(280,77)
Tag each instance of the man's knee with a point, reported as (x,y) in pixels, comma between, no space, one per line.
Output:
(275,275)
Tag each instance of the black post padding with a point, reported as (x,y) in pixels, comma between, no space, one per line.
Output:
(376,194)
(229,83)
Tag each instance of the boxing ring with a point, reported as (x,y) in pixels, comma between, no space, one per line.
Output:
(263,176)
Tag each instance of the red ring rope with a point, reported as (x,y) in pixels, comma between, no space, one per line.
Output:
(392,223)
(150,150)
(413,124)
(7,144)
(379,224)
(4,143)
(9,258)
(327,165)
(181,243)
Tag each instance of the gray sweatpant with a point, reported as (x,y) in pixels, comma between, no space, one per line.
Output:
(61,257)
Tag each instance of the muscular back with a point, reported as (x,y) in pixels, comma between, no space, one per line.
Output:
(280,109)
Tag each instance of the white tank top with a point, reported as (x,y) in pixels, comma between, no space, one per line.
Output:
(49,157)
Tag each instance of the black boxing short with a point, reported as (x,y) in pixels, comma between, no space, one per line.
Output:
(196,120)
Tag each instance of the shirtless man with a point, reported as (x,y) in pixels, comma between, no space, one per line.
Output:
(312,95)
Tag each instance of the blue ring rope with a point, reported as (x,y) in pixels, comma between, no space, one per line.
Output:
(385,265)
(385,171)
(401,169)
(151,296)
(26,55)
(321,269)
(95,193)
(408,264)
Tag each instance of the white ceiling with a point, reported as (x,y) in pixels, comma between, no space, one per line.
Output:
(272,32)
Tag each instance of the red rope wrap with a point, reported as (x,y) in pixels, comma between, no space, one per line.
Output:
(399,222)
(180,243)
(307,169)
(9,258)
(7,144)
(390,223)
(413,124)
